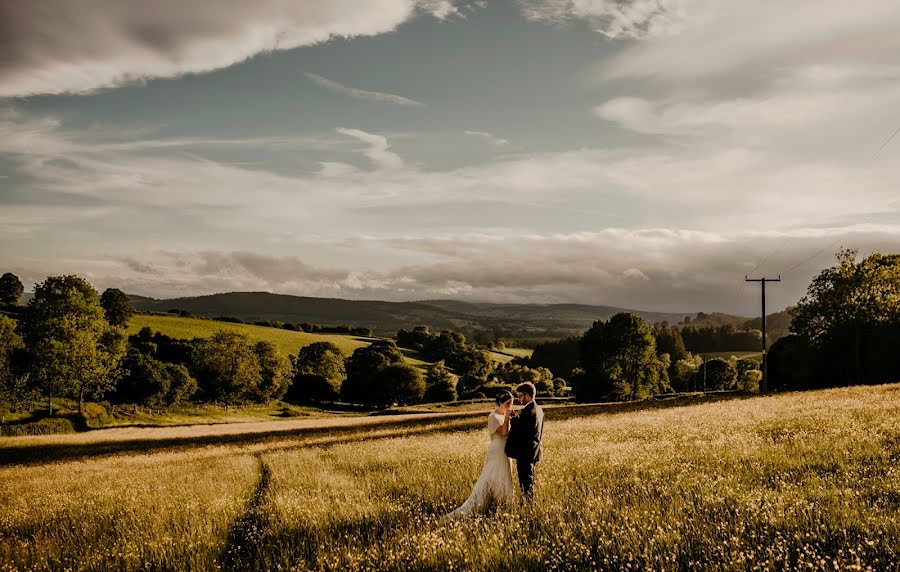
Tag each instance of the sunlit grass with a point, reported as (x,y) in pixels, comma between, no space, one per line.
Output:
(800,481)
(288,341)
(170,511)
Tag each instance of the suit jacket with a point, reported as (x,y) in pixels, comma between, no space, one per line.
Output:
(525,433)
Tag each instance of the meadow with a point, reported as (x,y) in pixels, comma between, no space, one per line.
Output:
(287,341)
(797,480)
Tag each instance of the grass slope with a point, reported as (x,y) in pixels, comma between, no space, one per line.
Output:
(288,341)
(792,481)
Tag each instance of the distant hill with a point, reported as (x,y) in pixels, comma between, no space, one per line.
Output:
(579,316)
(481,321)
(383,317)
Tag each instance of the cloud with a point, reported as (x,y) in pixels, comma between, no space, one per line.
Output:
(57,46)
(613,18)
(363,94)
(753,40)
(521,227)
(664,269)
(379,149)
(489,137)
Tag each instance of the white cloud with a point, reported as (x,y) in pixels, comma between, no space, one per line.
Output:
(379,150)
(697,219)
(613,18)
(748,39)
(489,137)
(363,94)
(77,47)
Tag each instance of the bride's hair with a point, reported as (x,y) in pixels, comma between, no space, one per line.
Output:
(503,397)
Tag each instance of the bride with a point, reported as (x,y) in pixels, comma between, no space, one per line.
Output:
(495,484)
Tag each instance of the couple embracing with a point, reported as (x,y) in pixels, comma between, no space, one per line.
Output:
(514,435)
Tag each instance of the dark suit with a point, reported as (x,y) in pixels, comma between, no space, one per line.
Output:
(524,444)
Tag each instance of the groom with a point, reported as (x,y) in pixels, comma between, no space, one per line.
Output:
(524,441)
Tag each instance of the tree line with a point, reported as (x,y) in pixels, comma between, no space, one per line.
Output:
(846,329)
(69,341)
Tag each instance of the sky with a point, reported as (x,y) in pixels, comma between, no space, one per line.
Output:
(645,154)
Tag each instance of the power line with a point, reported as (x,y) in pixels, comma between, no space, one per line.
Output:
(883,145)
(768,256)
(805,260)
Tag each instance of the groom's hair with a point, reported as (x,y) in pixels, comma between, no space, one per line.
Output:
(527,388)
(503,397)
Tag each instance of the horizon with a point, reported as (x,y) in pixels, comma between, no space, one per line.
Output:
(512,152)
(769,311)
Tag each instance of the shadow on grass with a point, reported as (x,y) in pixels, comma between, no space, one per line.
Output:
(242,550)
(363,431)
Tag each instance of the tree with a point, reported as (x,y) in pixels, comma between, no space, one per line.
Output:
(363,365)
(227,367)
(720,375)
(560,357)
(275,372)
(146,381)
(669,341)
(851,317)
(116,307)
(320,372)
(11,289)
(440,384)
(473,367)
(683,373)
(15,389)
(619,361)
(72,348)
(398,383)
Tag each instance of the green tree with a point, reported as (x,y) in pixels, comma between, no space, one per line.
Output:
(182,386)
(15,390)
(116,307)
(720,375)
(683,373)
(11,289)
(398,383)
(275,372)
(145,382)
(473,367)
(227,367)
(619,361)
(669,341)
(440,384)
(320,372)
(73,349)
(849,312)
(362,367)
(560,356)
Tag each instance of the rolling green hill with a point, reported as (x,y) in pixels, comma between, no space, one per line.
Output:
(385,318)
(289,342)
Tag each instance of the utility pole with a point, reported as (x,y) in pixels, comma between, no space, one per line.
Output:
(765,372)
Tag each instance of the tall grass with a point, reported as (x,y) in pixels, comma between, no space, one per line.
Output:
(171,511)
(800,481)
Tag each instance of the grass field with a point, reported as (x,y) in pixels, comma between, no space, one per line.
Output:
(288,341)
(801,480)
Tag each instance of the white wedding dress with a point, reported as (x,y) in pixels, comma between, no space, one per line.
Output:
(495,485)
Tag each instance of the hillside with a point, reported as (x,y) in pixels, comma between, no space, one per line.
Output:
(579,316)
(385,318)
(287,341)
